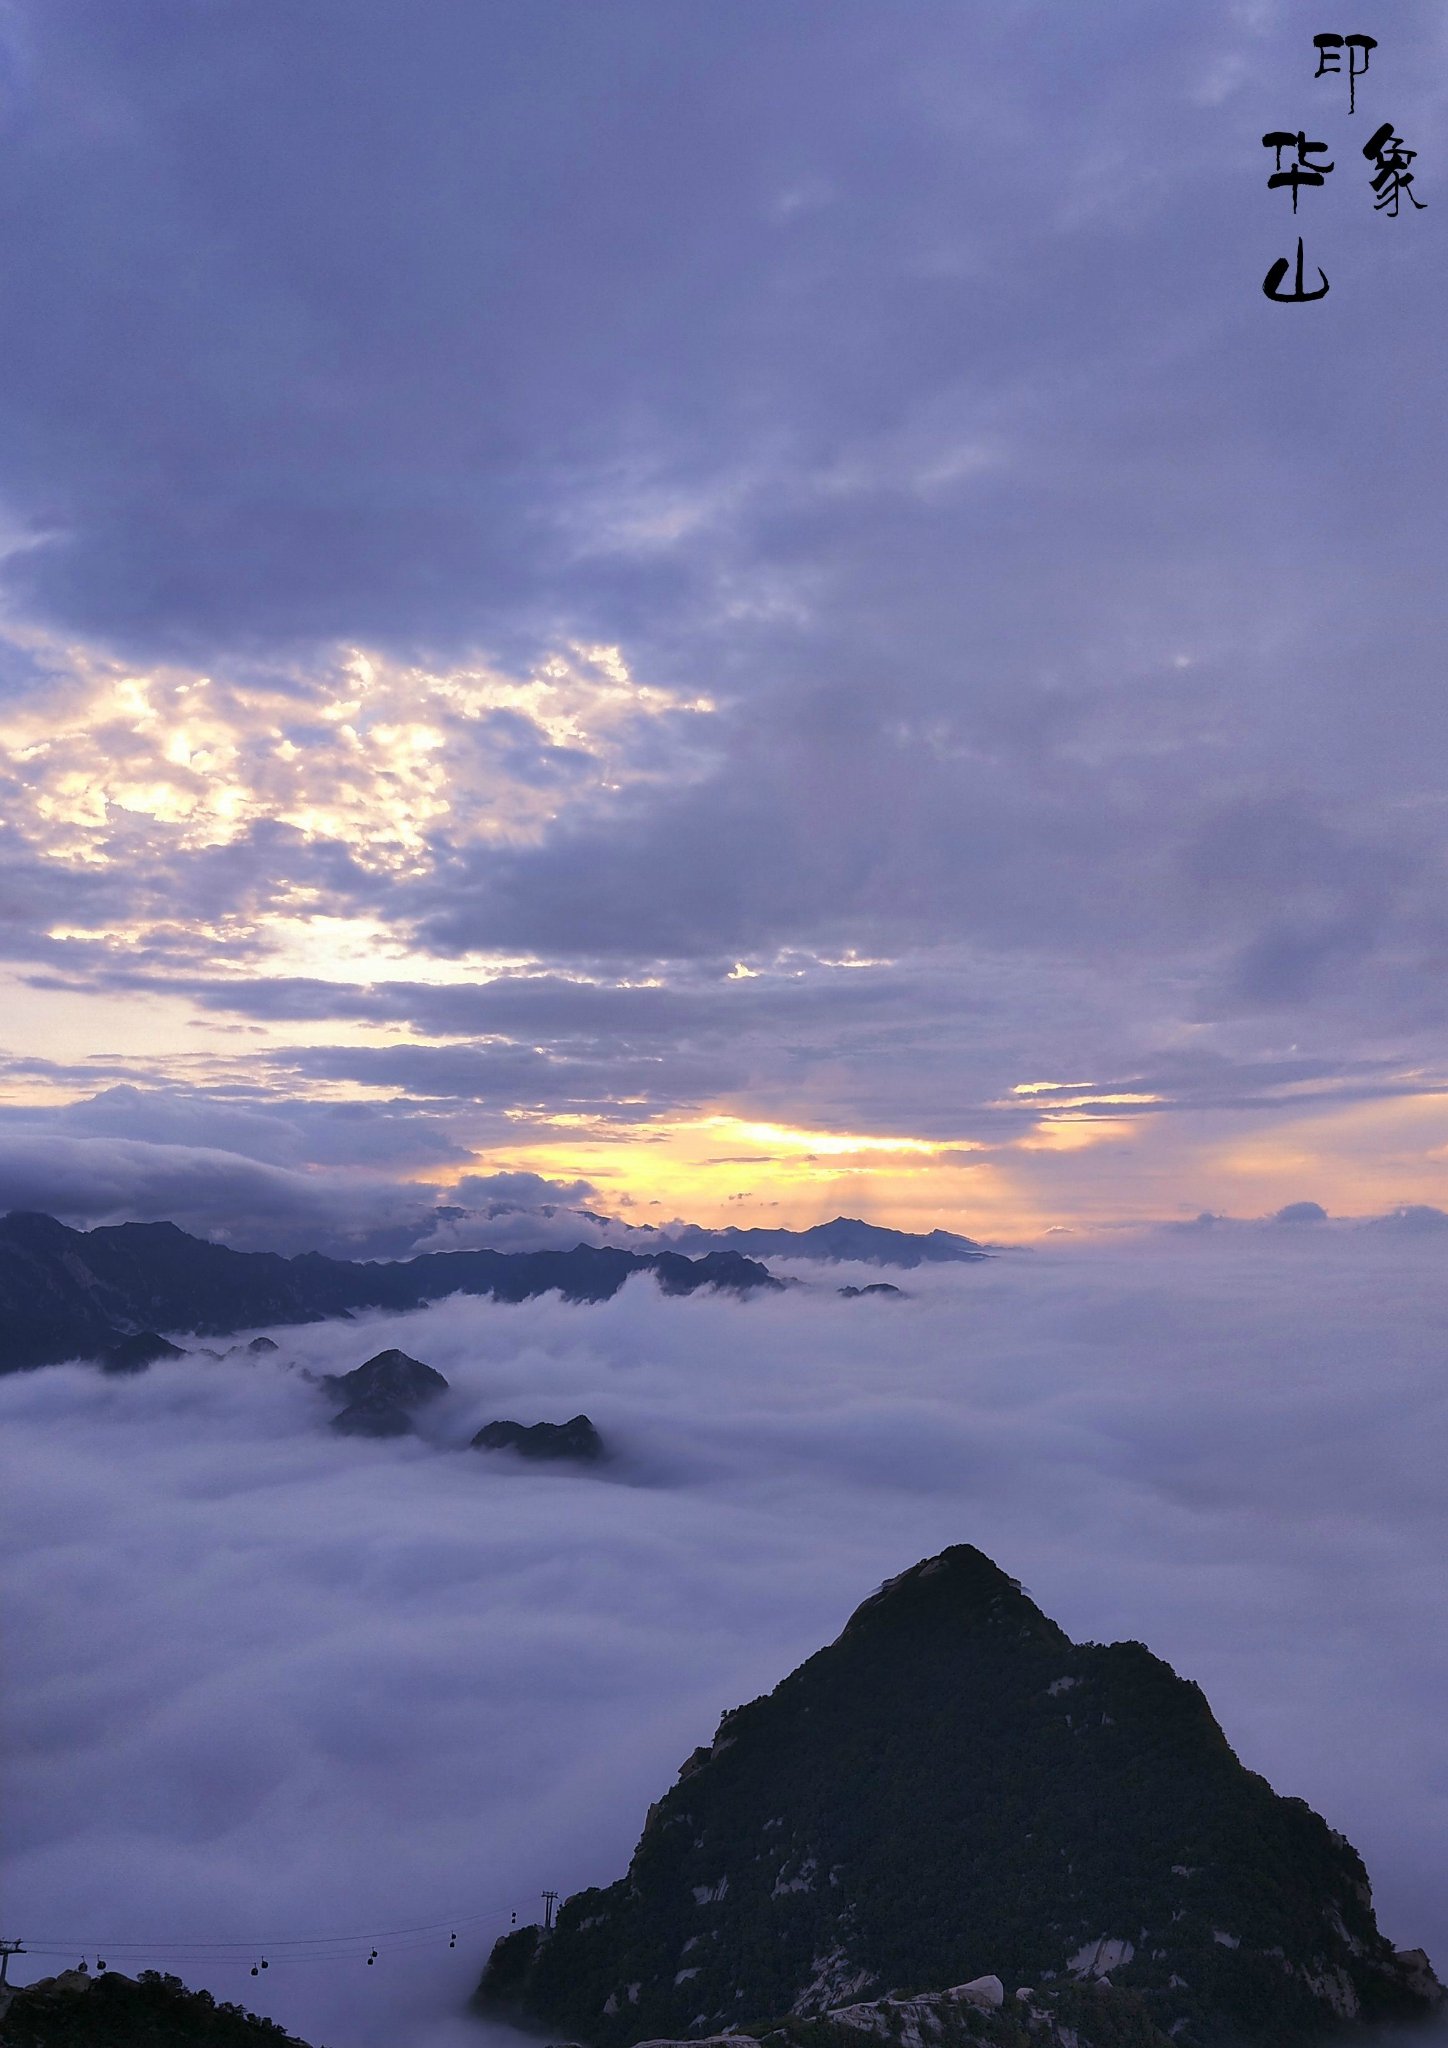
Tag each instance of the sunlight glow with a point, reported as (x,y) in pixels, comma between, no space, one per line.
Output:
(1064,1102)
(373,756)
(1075,1133)
(824,1144)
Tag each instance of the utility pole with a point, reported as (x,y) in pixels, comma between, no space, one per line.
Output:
(550,1900)
(7,1950)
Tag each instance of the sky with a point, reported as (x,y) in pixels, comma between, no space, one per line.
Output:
(266,1681)
(746,610)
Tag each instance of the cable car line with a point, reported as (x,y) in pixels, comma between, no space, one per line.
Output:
(175,1945)
(296,1948)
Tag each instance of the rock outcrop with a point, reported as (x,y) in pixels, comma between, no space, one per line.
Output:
(383,1395)
(954,1791)
(577,1439)
(976,2015)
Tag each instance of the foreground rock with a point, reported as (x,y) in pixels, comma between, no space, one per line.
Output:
(975,2015)
(384,1394)
(75,1293)
(955,1791)
(74,2010)
(577,1440)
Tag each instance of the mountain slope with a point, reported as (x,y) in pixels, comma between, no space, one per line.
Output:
(74,2010)
(954,1789)
(74,1294)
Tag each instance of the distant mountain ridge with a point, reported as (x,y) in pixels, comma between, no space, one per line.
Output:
(954,1794)
(80,1294)
(846,1237)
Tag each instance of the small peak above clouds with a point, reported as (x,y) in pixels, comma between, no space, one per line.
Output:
(1409,1219)
(1413,1219)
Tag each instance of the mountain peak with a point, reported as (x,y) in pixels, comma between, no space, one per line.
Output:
(960,1587)
(33,1227)
(950,1794)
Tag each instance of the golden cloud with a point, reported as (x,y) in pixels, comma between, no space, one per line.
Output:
(375,756)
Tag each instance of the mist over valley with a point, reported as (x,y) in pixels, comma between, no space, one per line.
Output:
(266,1679)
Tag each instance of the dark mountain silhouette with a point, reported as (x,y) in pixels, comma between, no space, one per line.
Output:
(74,2010)
(79,1294)
(134,1354)
(577,1440)
(954,1793)
(383,1394)
(845,1238)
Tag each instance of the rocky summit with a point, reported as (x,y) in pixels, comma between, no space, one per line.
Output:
(383,1394)
(576,1439)
(955,1794)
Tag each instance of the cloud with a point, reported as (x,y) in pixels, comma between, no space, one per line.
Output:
(523,1189)
(370,755)
(705,1124)
(527,1212)
(265,1681)
(500,1073)
(530,553)
(260,1191)
(268,1128)
(213,1193)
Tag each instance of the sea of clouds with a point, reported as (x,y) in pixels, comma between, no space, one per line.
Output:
(267,1683)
